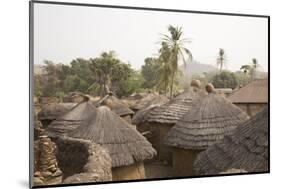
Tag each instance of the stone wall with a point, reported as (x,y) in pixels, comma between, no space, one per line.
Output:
(46,170)
(83,161)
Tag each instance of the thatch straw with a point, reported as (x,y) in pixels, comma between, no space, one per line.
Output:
(172,111)
(208,121)
(124,143)
(246,148)
(54,110)
(141,115)
(115,105)
(71,119)
(149,99)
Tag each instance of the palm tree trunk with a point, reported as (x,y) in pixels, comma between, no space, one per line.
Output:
(172,85)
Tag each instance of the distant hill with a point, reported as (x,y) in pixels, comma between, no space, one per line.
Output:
(197,68)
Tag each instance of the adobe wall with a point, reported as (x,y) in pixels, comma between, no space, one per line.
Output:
(183,162)
(131,172)
(251,109)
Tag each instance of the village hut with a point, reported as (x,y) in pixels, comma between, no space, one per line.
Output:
(117,106)
(159,120)
(127,147)
(150,98)
(71,119)
(50,112)
(48,100)
(245,149)
(82,161)
(137,96)
(76,97)
(207,122)
(140,115)
(251,98)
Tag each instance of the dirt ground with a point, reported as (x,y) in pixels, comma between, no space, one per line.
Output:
(157,169)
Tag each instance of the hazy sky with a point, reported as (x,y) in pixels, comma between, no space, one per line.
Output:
(63,33)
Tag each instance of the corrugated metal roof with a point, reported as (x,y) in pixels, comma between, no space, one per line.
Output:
(254,92)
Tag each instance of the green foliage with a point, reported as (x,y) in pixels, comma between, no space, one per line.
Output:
(225,79)
(94,76)
(149,72)
(176,45)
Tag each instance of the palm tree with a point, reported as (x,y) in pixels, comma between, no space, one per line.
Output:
(221,60)
(164,71)
(176,43)
(245,68)
(255,65)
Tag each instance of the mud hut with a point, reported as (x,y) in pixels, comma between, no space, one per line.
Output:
(159,120)
(71,119)
(246,148)
(150,98)
(82,161)
(50,112)
(140,115)
(207,122)
(251,98)
(48,100)
(127,147)
(75,97)
(117,106)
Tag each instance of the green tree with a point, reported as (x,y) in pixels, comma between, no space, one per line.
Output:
(225,79)
(149,72)
(254,66)
(176,44)
(164,71)
(221,60)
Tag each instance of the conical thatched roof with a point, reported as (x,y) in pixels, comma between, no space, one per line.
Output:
(172,111)
(246,148)
(115,105)
(71,119)
(54,110)
(124,143)
(255,92)
(150,98)
(141,115)
(208,121)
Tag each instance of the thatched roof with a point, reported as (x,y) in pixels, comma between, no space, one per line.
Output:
(136,96)
(71,119)
(115,104)
(255,92)
(124,143)
(208,121)
(149,99)
(141,115)
(246,148)
(172,111)
(54,110)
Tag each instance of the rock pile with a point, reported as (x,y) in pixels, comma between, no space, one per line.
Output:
(46,167)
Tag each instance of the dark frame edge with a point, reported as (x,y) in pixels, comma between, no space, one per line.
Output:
(148,8)
(31,105)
